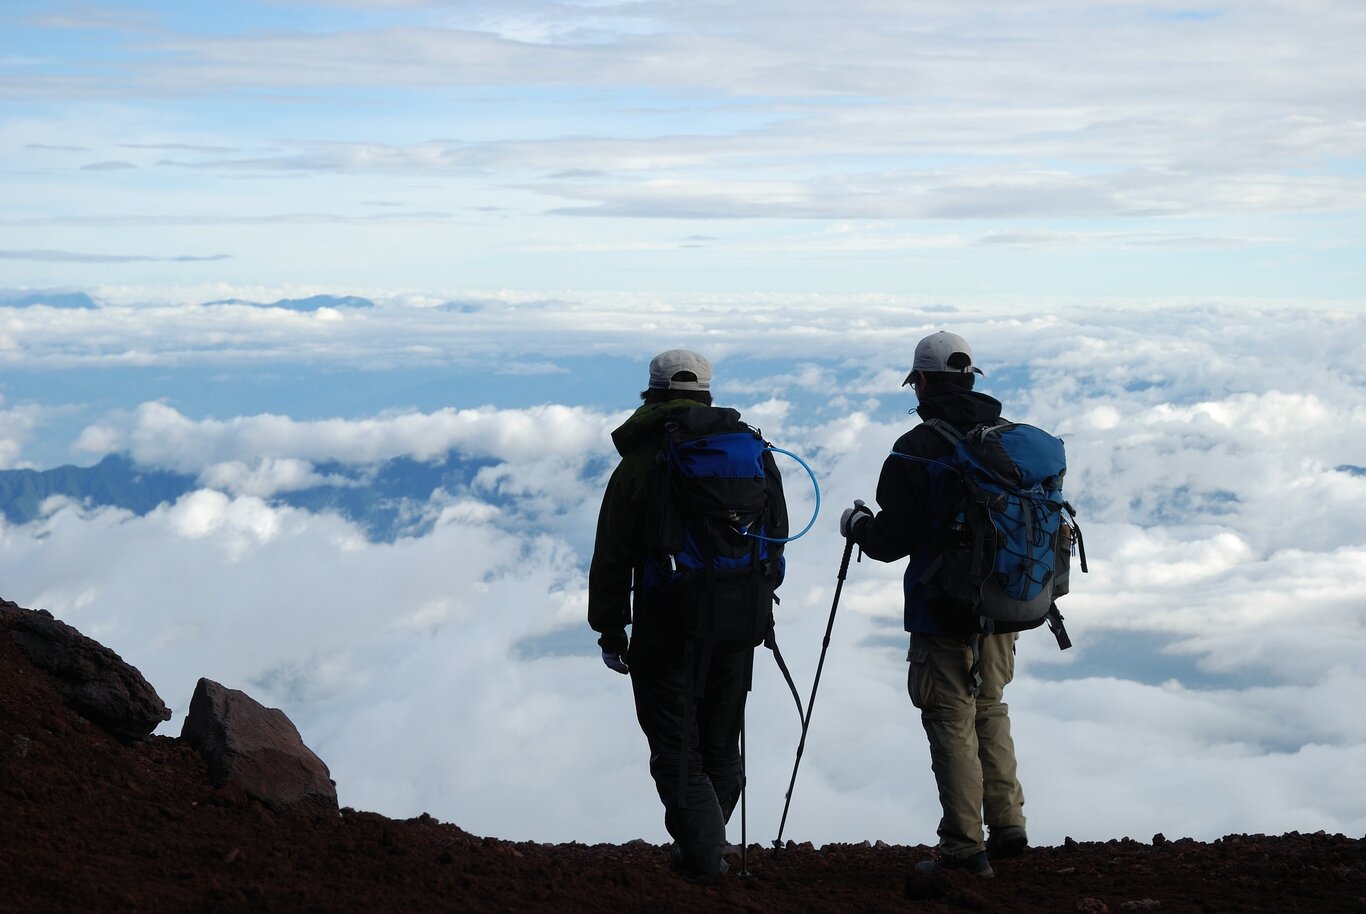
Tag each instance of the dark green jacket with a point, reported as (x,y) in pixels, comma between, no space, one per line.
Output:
(619,549)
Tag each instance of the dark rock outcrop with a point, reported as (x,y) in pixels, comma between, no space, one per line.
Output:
(258,749)
(93,681)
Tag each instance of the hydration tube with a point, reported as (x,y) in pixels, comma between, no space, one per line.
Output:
(937,463)
(814,485)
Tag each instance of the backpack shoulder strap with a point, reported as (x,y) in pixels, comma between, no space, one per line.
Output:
(707,420)
(945,430)
(953,436)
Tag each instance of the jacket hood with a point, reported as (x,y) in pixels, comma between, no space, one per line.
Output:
(959,406)
(645,427)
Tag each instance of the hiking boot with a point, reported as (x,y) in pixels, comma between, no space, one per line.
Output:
(1007,842)
(682,867)
(976,865)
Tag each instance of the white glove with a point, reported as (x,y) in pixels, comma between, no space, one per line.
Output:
(614,661)
(852,517)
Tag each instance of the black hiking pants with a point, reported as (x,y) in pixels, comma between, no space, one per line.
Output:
(697,805)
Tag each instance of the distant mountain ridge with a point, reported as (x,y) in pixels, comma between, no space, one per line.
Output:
(56,298)
(51,298)
(384,499)
(114,481)
(312,303)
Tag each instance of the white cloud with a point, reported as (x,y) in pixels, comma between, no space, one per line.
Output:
(265,478)
(1039,128)
(271,453)
(1215,635)
(76,257)
(1034,175)
(241,525)
(17,425)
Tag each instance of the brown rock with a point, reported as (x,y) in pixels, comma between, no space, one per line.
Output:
(93,681)
(258,749)
(19,746)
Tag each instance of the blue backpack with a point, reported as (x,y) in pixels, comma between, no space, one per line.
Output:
(716,517)
(1010,540)
(710,559)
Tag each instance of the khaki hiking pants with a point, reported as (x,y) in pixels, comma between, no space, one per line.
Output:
(971,750)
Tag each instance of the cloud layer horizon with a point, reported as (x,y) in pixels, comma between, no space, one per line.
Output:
(1215,457)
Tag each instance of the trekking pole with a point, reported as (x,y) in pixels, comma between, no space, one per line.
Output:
(744,776)
(811,702)
(744,789)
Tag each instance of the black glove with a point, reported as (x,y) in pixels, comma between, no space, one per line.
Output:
(852,517)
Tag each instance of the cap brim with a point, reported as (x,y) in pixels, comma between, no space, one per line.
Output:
(910,378)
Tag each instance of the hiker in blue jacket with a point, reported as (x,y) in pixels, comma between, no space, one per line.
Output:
(971,750)
(701,785)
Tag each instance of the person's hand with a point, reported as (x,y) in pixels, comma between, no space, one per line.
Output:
(614,645)
(615,662)
(852,517)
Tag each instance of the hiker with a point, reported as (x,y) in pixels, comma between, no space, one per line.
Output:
(689,673)
(971,750)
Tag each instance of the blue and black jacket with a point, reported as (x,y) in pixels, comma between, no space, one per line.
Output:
(916,501)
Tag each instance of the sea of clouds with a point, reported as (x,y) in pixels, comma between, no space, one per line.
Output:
(1216,459)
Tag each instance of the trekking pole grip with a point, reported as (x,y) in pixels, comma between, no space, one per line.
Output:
(844,562)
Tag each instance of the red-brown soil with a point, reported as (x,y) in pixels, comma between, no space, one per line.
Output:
(90,824)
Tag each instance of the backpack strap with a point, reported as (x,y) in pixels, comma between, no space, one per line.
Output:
(1054,620)
(946,430)
(932,569)
(1076,533)
(771,642)
(950,434)
(975,671)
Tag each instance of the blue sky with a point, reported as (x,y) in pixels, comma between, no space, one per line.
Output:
(1082,151)
(1146,217)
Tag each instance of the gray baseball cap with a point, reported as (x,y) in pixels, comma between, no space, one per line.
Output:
(666,368)
(942,351)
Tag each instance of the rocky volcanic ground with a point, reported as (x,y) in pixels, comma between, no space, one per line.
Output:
(89,822)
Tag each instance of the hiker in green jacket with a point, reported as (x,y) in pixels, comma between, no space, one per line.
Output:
(699,782)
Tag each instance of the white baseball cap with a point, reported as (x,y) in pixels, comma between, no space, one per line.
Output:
(680,369)
(942,351)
